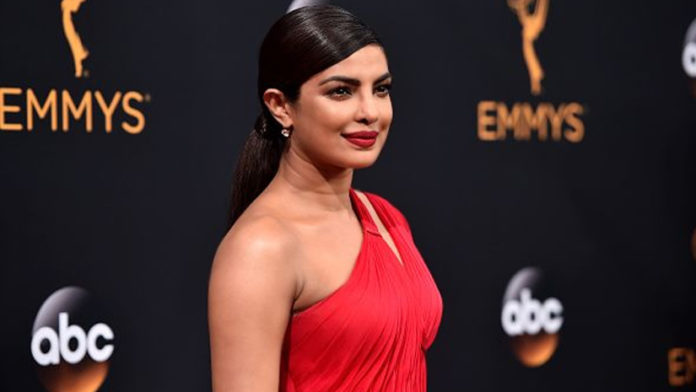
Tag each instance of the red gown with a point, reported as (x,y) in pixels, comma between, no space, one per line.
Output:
(370,334)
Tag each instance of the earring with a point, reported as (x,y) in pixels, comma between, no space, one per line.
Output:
(285,132)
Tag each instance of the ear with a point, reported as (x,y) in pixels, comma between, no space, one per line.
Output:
(279,106)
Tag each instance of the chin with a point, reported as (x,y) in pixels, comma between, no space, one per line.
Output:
(366,160)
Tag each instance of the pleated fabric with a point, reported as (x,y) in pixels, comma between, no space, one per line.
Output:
(371,334)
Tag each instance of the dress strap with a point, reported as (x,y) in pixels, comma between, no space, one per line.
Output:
(364,215)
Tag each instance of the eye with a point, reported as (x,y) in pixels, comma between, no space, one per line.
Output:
(339,92)
(384,89)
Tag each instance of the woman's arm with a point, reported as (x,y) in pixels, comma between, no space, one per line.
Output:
(252,287)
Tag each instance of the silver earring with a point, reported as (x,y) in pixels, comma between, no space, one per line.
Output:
(285,132)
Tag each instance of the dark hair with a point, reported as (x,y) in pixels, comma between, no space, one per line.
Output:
(299,45)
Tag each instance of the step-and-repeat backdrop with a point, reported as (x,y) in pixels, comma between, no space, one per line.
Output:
(543,152)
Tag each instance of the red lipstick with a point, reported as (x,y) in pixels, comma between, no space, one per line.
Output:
(362,139)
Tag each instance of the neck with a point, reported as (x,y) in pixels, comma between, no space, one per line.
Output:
(304,182)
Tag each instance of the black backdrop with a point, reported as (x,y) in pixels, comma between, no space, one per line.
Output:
(135,218)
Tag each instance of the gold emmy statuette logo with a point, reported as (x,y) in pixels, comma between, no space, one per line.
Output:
(532,25)
(524,121)
(79,53)
(66,109)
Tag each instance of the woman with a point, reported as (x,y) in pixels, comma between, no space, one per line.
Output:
(317,286)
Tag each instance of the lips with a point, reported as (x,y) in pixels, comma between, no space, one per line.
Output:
(362,138)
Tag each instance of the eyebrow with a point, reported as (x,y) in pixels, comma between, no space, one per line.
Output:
(352,81)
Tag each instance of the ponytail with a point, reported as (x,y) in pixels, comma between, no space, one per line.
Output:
(300,44)
(257,164)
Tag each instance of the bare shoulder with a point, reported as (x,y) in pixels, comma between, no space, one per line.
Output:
(257,244)
(259,233)
(251,290)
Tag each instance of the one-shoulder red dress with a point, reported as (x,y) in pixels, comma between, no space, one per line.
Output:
(370,334)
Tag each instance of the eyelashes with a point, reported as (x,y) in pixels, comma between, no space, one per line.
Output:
(386,88)
(344,91)
(339,91)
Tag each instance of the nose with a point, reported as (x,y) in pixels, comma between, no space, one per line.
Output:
(368,111)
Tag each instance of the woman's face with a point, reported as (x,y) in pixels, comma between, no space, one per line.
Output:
(348,97)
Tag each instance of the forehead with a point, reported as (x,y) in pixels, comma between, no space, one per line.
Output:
(366,63)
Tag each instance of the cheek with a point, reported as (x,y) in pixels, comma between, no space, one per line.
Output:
(326,115)
(386,114)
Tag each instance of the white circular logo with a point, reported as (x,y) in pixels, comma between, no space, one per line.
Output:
(689,59)
(530,316)
(531,319)
(689,52)
(70,345)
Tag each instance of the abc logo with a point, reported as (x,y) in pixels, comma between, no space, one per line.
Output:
(70,349)
(58,343)
(531,316)
(532,323)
